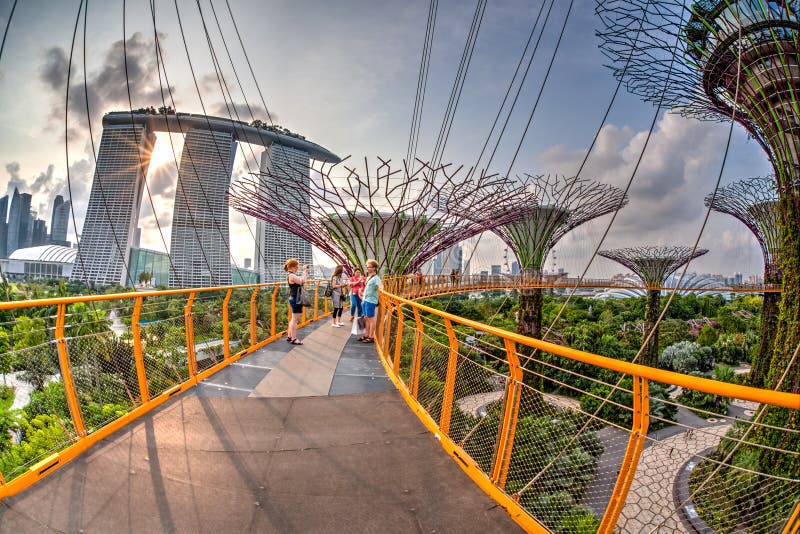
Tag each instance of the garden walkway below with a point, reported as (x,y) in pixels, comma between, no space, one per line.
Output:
(309,438)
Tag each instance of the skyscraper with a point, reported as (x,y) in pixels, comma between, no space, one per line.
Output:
(59,222)
(3,227)
(199,245)
(19,222)
(39,233)
(113,211)
(275,245)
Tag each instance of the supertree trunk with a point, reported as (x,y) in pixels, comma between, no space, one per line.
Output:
(769,324)
(652,310)
(787,338)
(529,320)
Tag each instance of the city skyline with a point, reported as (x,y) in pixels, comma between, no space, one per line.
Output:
(666,193)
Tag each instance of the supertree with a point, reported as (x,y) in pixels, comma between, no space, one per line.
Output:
(399,217)
(755,203)
(546,207)
(653,265)
(717,60)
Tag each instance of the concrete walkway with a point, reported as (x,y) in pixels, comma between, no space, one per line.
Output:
(222,459)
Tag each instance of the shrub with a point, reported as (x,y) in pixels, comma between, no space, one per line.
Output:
(686,357)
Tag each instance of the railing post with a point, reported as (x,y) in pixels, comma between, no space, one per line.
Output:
(316,300)
(138,355)
(416,360)
(253,317)
(641,421)
(398,343)
(189,326)
(273,327)
(450,379)
(66,372)
(508,426)
(226,335)
(386,327)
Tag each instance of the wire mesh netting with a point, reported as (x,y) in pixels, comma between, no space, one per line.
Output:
(163,334)
(209,346)
(39,422)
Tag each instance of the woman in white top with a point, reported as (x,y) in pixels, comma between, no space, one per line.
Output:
(337,285)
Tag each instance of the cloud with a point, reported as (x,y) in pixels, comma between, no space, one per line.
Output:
(239,111)
(126,66)
(679,167)
(14,178)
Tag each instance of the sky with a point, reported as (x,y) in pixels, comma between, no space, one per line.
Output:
(344,74)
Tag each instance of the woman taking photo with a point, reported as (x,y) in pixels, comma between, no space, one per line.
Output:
(356,286)
(296,282)
(370,296)
(337,285)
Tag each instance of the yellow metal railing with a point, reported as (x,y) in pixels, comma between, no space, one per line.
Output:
(528,447)
(98,362)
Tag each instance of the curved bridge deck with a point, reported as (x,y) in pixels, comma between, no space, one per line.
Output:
(334,449)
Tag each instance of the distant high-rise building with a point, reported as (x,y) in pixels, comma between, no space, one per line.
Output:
(39,233)
(20,222)
(199,245)
(276,245)
(137,238)
(496,270)
(59,222)
(515,267)
(113,211)
(448,260)
(248,263)
(3,227)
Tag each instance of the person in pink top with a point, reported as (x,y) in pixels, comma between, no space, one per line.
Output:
(356,285)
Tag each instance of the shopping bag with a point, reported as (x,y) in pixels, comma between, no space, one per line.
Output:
(358,327)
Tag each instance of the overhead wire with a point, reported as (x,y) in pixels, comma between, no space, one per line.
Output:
(422,84)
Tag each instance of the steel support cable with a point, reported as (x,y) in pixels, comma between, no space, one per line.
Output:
(247,103)
(159,52)
(130,108)
(541,89)
(779,383)
(422,83)
(250,110)
(458,83)
(225,89)
(521,84)
(3,280)
(161,66)
(528,359)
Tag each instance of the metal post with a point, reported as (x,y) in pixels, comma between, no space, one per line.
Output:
(508,426)
(274,312)
(416,360)
(398,343)
(138,355)
(316,301)
(226,335)
(66,372)
(450,379)
(641,421)
(253,317)
(189,326)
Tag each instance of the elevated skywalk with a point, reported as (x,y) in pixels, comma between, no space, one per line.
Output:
(310,438)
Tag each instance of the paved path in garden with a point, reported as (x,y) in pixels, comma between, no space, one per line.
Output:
(346,456)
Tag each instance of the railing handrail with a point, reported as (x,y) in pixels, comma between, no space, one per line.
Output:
(55,301)
(706,385)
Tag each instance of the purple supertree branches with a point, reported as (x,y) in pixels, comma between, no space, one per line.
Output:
(652,264)
(400,217)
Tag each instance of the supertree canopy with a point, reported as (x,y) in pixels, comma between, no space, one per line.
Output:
(400,218)
(653,265)
(755,203)
(718,59)
(546,208)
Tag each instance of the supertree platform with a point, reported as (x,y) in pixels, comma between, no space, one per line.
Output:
(755,203)
(719,60)
(653,265)
(400,218)
(547,207)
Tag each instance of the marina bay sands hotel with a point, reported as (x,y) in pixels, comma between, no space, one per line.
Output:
(200,241)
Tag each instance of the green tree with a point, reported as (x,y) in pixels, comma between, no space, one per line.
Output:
(708,336)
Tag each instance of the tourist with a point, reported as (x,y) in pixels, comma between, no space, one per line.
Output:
(370,298)
(337,285)
(296,283)
(356,285)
